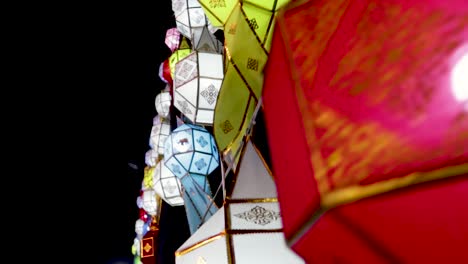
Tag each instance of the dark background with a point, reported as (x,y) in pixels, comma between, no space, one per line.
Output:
(118,51)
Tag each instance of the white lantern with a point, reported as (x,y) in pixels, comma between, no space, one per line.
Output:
(197,80)
(159,132)
(151,202)
(191,149)
(140,228)
(167,185)
(248,228)
(163,104)
(189,15)
(151,157)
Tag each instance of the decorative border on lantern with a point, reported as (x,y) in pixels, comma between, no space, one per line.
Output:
(353,193)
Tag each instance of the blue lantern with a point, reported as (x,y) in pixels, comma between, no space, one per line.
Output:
(190,153)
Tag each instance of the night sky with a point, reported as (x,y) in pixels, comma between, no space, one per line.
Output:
(118,86)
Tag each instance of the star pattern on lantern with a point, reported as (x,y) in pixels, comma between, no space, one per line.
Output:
(200,164)
(226,126)
(210,94)
(201,140)
(259,215)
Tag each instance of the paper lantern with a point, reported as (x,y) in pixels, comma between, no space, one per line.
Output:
(151,157)
(248,228)
(189,16)
(167,185)
(197,80)
(163,103)
(151,202)
(148,244)
(369,115)
(141,227)
(172,39)
(159,132)
(191,155)
(204,41)
(164,72)
(191,149)
(147,182)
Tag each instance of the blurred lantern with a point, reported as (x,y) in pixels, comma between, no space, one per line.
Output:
(191,155)
(167,185)
(189,16)
(165,72)
(147,179)
(163,103)
(148,245)
(248,228)
(172,39)
(136,247)
(183,51)
(151,202)
(371,116)
(159,132)
(141,227)
(151,157)
(197,80)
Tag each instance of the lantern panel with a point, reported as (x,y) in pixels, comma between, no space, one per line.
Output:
(208,93)
(211,65)
(202,141)
(263,248)
(167,185)
(199,205)
(255,216)
(187,92)
(214,251)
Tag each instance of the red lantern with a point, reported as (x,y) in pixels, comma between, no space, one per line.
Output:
(360,101)
(148,245)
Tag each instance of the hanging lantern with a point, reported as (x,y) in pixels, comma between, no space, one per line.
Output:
(147,182)
(151,157)
(159,132)
(167,185)
(141,227)
(151,202)
(148,245)
(248,228)
(165,72)
(172,39)
(191,149)
(189,16)
(191,155)
(197,80)
(374,128)
(163,104)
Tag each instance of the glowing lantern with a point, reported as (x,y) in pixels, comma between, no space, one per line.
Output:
(159,132)
(197,80)
(163,103)
(172,39)
(374,132)
(167,185)
(183,51)
(151,202)
(248,228)
(189,16)
(151,157)
(191,155)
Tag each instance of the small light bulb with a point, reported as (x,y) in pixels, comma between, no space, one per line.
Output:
(460,79)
